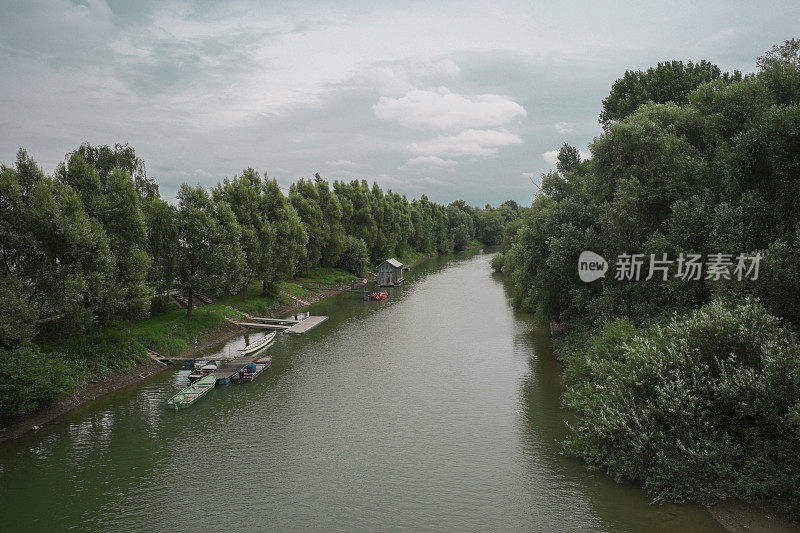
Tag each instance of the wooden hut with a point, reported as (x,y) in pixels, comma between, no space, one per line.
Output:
(390,273)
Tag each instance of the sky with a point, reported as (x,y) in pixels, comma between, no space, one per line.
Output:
(455,100)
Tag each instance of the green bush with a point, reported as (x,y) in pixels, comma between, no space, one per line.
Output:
(100,353)
(29,378)
(355,256)
(706,406)
(497,262)
(161,304)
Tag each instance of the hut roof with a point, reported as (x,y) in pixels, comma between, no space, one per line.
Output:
(394,262)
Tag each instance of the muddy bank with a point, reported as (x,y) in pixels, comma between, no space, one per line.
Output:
(93,389)
(85,393)
(739,517)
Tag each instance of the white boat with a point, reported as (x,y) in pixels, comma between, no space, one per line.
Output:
(263,342)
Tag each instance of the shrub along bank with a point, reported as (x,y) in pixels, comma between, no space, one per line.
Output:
(689,385)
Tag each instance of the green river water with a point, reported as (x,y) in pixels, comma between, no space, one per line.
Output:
(435,410)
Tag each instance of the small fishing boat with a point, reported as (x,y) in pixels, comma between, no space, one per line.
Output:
(192,393)
(261,343)
(224,381)
(251,371)
(194,376)
(202,368)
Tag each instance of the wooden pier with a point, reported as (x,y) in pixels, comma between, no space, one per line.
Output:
(287,325)
(307,324)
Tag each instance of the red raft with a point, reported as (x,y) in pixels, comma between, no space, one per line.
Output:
(379,295)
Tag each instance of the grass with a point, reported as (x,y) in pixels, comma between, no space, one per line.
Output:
(62,358)
(258,305)
(328,275)
(295,290)
(170,333)
(409,255)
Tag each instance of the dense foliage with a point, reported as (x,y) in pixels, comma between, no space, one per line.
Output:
(702,404)
(706,406)
(95,244)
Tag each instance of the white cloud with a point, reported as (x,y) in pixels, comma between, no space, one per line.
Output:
(442,109)
(430,161)
(551,157)
(341,163)
(396,78)
(470,142)
(564,127)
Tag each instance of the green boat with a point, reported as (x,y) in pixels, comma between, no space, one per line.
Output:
(193,392)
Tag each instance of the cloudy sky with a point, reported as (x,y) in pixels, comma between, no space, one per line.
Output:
(451,99)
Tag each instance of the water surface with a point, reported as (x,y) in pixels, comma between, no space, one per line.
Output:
(435,410)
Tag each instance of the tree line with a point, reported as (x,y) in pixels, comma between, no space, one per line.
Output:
(95,245)
(95,241)
(692,386)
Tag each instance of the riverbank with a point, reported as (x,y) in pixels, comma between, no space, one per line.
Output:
(741,517)
(159,334)
(733,514)
(163,334)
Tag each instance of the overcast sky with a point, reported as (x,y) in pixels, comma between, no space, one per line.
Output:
(450,99)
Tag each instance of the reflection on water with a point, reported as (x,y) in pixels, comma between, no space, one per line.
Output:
(435,410)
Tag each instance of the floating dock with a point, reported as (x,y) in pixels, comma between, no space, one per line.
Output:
(231,367)
(287,325)
(307,324)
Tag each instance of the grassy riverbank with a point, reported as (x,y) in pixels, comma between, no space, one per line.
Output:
(62,363)
(69,369)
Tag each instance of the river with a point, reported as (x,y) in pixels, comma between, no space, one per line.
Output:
(435,410)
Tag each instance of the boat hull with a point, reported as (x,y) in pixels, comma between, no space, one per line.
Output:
(259,345)
(261,365)
(192,393)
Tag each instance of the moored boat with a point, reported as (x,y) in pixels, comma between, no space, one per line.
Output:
(192,393)
(252,371)
(261,343)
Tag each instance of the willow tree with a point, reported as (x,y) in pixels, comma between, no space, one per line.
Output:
(290,236)
(244,195)
(210,257)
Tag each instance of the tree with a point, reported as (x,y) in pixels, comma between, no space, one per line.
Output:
(304,197)
(162,235)
(103,159)
(787,52)
(210,256)
(355,257)
(667,82)
(569,159)
(290,235)
(334,243)
(461,227)
(113,201)
(244,196)
(58,257)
